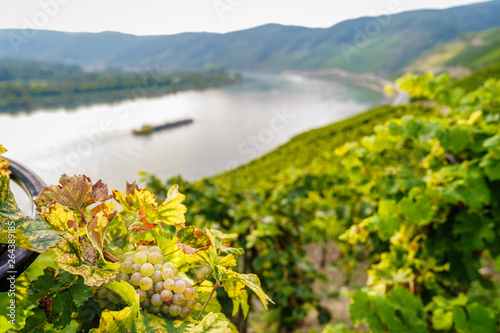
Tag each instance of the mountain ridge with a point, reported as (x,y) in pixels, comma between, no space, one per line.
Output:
(388,50)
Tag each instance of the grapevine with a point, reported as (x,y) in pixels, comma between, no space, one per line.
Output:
(122,262)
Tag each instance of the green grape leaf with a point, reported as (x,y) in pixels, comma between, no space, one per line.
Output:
(74,192)
(460,320)
(77,256)
(172,211)
(362,312)
(458,138)
(474,230)
(442,320)
(4,164)
(153,324)
(481,319)
(491,167)
(31,233)
(250,280)
(21,305)
(222,240)
(96,228)
(493,145)
(387,314)
(418,212)
(192,239)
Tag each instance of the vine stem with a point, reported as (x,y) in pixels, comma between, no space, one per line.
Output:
(109,257)
(217,285)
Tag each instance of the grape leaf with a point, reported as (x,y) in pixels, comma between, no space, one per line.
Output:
(4,164)
(103,214)
(442,320)
(60,217)
(124,320)
(192,239)
(75,256)
(211,323)
(31,233)
(361,311)
(481,319)
(235,279)
(73,192)
(172,211)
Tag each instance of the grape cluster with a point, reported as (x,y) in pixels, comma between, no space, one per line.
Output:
(157,283)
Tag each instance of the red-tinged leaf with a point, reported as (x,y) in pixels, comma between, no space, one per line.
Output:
(103,214)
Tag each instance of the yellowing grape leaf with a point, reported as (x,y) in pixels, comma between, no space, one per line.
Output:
(102,214)
(75,192)
(30,233)
(192,239)
(60,217)
(4,164)
(211,323)
(141,212)
(172,211)
(76,256)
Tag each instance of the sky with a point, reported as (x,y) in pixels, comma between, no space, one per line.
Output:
(161,17)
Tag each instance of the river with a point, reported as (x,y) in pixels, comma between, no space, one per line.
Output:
(232,125)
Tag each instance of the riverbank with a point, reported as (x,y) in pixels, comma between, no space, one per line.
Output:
(368,80)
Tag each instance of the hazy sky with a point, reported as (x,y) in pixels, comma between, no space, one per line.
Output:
(153,17)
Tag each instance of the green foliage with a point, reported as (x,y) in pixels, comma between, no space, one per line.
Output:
(81,214)
(415,196)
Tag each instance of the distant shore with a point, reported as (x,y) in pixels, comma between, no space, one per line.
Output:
(368,80)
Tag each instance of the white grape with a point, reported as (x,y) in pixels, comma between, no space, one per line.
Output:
(126,267)
(142,294)
(158,287)
(147,269)
(178,299)
(158,267)
(155,249)
(166,295)
(154,258)
(167,273)
(164,309)
(169,265)
(154,309)
(169,284)
(136,268)
(190,304)
(102,292)
(197,306)
(157,276)
(156,300)
(179,287)
(146,283)
(185,312)
(136,278)
(174,310)
(140,258)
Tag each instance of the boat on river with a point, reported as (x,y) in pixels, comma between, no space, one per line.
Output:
(149,129)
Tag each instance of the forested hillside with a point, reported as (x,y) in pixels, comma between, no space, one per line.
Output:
(384,44)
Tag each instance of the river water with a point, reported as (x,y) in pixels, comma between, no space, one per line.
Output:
(232,125)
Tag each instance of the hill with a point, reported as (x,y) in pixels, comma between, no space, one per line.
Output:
(384,44)
(472,51)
